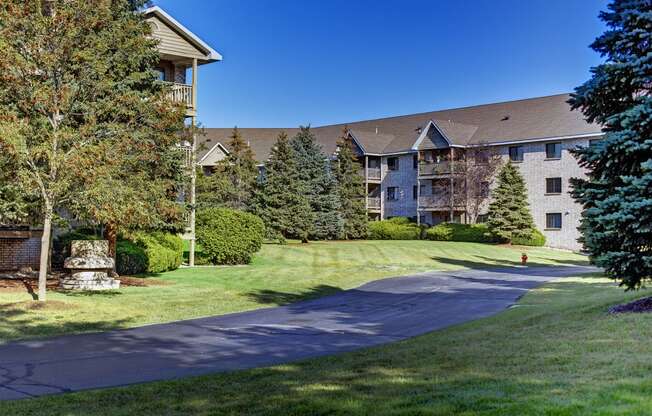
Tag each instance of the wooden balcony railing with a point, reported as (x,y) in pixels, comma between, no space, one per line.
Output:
(373,173)
(187,155)
(181,93)
(373,202)
(440,168)
(440,201)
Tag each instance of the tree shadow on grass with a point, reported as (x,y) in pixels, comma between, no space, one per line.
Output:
(273,297)
(492,264)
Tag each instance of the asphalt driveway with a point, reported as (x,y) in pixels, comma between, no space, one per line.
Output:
(379,312)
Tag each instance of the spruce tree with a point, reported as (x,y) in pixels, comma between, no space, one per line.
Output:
(232,183)
(351,190)
(509,213)
(617,193)
(280,198)
(319,180)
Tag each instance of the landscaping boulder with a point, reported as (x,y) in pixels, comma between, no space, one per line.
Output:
(89,266)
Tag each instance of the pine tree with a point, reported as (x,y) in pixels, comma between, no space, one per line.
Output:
(232,183)
(319,179)
(351,190)
(509,213)
(617,194)
(280,198)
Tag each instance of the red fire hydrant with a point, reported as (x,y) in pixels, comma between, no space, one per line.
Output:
(524,259)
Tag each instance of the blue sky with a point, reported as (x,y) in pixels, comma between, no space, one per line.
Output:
(291,62)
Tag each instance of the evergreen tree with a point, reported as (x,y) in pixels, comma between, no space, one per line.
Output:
(280,198)
(319,180)
(351,190)
(233,180)
(617,194)
(509,213)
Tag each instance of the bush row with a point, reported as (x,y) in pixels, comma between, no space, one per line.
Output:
(401,228)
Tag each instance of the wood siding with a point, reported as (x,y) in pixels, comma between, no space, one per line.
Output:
(171,43)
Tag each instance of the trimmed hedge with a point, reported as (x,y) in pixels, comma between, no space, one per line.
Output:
(473,233)
(397,228)
(163,252)
(228,236)
(536,239)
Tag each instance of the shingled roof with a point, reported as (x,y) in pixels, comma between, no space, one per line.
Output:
(512,121)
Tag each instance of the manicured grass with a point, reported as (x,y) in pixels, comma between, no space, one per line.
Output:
(557,353)
(278,275)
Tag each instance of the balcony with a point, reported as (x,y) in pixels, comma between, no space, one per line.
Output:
(441,201)
(181,93)
(373,174)
(187,155)
(373,202)
(440,168)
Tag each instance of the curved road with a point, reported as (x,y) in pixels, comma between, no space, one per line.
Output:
(376,313)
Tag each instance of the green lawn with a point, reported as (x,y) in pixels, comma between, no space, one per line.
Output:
(557,353)
(278,274)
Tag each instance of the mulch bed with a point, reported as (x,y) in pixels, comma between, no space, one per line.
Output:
(638,306)
(16,282)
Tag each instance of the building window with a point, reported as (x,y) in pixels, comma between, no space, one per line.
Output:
(483,191)
(553,150)
(415,161)
(482,157)
(415,192)
(553,221)
(553,185)
(594,142)
(482,218)
(160,74)
(392,193)
(422,219)
(516,153)
(392,163)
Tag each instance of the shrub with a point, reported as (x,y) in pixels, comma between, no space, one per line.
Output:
(228,236)
(130,258)
(474,233)
(163,251)
(397,228)
(536,239)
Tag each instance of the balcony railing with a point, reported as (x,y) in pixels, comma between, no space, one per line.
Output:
(373,173)
(373,202)
(181,93)
(440,201)
(440,168)
(187,155)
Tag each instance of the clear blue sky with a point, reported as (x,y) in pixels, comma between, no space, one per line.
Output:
(291,62)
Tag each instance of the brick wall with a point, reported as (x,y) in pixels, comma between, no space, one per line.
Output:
(20,252)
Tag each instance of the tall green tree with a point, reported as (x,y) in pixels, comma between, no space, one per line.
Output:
(509,212)
(617,193)
(233,180)
(77,89)
(319,180)
(350,189)
(281,198)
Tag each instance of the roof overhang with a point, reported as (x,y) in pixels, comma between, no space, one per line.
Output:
(211,54)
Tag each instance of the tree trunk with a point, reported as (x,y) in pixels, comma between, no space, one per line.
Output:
(45,251)
(111,235)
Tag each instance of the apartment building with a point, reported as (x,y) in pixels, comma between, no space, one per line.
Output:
(181,53)
(413,164)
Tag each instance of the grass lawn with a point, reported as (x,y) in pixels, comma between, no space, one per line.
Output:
(278,275)
(557,353)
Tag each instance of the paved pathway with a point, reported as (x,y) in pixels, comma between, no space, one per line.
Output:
(376,313)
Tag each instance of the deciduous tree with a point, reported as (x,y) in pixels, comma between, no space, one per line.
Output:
(76,90)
